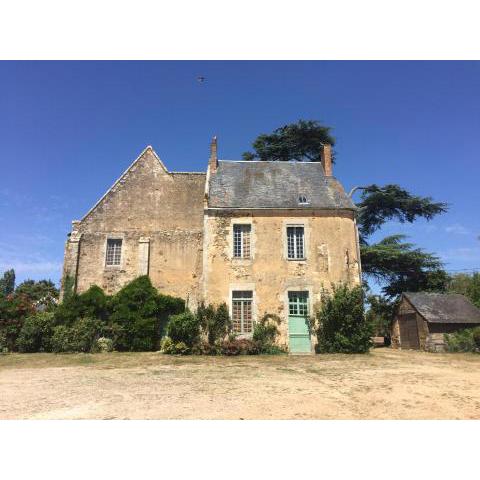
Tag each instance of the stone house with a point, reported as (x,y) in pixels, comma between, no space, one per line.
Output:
(422,319)
(263,237)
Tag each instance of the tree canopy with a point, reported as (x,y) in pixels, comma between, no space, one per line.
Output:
(468,285)
(380,204)
(38,290)
(7,282)
(301,141)
(402,267)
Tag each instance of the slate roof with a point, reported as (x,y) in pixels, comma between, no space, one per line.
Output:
(257,184)
(444,308)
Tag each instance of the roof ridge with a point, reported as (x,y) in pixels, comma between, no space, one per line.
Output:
(266,162)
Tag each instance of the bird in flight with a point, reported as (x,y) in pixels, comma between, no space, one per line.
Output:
(200,79)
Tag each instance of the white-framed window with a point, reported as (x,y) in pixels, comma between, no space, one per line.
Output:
(242,315)
(241,240)
(302,199)
(295,243)
(114,252)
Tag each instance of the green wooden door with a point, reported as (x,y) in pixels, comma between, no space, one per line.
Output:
(298,331)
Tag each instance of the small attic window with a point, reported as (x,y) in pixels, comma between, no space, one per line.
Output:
(302,200)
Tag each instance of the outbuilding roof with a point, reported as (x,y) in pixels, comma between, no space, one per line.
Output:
(258,184)
(444,307)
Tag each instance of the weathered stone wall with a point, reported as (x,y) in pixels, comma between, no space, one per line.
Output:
(435,341)
(159,217)
(331,257)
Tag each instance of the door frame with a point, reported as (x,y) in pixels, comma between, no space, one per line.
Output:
(308,292)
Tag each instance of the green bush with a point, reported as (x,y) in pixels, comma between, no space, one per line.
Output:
(240,346)
(82,336)
(103,344)
(36,333)
(342,326)
(214,321)
(61,339)
(205,348)
(265,333)
(14,309)
(476,337)
(172,348)
(93,304)
(463,340)
(139,315)
(184,327)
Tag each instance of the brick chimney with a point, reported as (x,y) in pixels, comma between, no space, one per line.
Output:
(327,159)
(213,161)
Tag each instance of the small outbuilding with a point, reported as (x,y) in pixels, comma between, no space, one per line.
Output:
(422,319)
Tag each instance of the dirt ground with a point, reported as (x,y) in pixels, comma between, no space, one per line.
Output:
(385,384)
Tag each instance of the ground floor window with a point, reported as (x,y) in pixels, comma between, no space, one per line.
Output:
(242,318)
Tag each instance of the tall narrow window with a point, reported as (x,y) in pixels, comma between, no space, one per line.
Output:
(295,243)
(242,311)
(241,241)
(114,252)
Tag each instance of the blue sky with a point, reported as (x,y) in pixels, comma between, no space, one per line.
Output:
(69,129)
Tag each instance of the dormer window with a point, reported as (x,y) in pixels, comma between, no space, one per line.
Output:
(302,200)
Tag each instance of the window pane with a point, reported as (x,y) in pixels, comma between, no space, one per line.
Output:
(295,245)
(114,251)
(247,294)
(241,241)
(242,318)
(298,303)
(247,316)
(237,241)
(291,242)
(299,234)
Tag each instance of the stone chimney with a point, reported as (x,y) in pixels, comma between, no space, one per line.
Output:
(327,159)
(213,161)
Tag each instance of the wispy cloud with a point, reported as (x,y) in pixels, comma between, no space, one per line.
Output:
(32,268)
(17,253)
(457,229)
(467,254)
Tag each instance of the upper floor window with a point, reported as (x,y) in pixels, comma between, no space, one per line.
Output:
(242,318)
(114,252)
(295,243)
(241,241)
(302,200)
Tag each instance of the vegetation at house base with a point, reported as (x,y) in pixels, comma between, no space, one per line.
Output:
(81,336)
(214,321)
(91,303)
(184,328)
(208,331)
(265,333)
(301,141)
(467,340)
(341,323)
(36,333)
(132,320)
(140,314)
